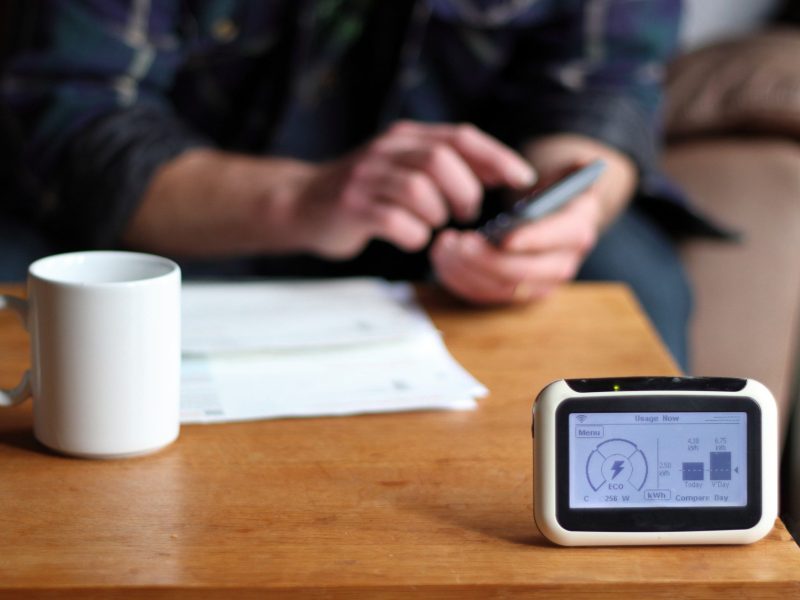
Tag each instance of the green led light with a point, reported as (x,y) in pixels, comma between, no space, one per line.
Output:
(616,387)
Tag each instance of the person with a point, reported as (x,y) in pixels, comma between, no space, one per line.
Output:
(333,137)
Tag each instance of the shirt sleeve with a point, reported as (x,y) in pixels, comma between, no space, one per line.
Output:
(594,68)
(90,98)
(538,67)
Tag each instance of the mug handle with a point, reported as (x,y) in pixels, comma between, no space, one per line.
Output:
(22,391)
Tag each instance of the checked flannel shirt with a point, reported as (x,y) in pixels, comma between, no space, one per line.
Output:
(109,90)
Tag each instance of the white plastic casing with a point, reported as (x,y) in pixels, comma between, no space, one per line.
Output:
(544,480)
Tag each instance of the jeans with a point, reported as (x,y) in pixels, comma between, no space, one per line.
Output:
(636,251)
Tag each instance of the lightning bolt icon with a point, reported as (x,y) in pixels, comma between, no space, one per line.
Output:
(617,468)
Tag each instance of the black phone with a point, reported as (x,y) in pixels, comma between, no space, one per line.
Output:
(543,202)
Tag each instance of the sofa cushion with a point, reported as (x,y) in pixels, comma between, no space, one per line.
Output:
(750,84)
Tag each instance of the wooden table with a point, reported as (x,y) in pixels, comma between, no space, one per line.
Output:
(429,504)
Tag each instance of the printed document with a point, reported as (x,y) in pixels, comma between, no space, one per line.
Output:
(258,350)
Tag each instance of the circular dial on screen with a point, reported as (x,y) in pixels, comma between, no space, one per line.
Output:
(616,461)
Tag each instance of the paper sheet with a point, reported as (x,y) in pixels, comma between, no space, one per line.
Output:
(237,317)
(312,349)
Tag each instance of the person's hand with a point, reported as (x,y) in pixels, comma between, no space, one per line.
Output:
(530,262)
(536,258)
(401,186)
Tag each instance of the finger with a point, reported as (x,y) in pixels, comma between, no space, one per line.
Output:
(397,226)
(493,162)
(449,173)
(477,287)
(537,269)
(412,190)
(472,286)
(378,178)
(573,227)
(454,268)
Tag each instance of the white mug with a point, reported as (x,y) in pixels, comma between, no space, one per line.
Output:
(105,352)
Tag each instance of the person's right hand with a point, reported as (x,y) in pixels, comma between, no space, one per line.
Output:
(401,186)
(398,187)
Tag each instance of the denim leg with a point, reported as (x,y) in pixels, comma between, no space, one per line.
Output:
(638,252)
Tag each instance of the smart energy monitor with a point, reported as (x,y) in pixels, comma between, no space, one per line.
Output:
(655,460)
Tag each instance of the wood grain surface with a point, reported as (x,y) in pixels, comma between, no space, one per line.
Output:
(426,504)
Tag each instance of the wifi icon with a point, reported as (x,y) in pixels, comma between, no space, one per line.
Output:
(581,418)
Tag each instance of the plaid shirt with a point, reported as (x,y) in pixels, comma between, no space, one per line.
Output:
(112,89)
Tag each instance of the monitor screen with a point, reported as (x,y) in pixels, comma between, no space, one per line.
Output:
(621,460)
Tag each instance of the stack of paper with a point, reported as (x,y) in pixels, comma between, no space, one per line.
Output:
(313,348)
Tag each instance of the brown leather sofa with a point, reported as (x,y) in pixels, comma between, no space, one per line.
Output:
(733,120)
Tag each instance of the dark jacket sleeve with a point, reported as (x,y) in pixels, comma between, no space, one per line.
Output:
(89,95)
(595,68)
(588,67)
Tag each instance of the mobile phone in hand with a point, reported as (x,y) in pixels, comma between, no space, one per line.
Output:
(543,202)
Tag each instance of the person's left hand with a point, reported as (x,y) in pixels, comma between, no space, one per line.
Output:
(530,262)
(535,258)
